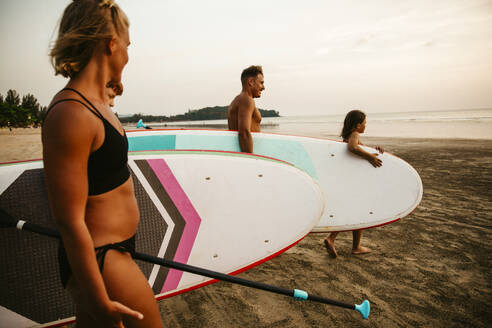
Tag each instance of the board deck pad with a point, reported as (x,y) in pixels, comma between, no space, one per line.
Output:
(181,220)
(357,195)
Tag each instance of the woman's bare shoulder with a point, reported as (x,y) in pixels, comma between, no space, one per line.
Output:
(69,120)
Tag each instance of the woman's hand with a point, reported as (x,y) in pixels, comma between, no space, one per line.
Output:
(112,314)
(380,149)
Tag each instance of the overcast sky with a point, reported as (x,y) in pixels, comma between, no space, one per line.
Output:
(319,57)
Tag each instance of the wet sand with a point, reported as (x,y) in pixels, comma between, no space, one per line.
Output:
(430,269)
(20,144)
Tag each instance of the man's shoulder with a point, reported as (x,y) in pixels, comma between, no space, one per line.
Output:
(244,100)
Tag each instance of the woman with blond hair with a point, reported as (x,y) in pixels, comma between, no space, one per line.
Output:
(85,153)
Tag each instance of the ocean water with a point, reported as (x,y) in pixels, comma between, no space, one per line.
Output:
(462,124)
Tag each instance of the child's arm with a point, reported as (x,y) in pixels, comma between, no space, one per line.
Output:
(378,148)
(353,145)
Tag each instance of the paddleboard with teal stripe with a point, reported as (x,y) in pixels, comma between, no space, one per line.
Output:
(195,207)
(357,195)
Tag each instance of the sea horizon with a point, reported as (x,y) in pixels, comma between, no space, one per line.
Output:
(445,124)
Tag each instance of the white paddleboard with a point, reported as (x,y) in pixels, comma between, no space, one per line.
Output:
(221,211)
(357,195)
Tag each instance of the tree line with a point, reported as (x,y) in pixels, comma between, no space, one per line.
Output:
(20,112)
(203,114)
(26,111)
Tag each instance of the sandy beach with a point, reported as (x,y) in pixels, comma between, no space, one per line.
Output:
(430,269)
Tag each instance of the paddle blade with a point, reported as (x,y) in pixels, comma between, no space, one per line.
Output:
(364,309)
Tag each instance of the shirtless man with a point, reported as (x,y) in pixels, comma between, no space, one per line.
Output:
(242,114)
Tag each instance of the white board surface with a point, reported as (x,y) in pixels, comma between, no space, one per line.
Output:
(357,195)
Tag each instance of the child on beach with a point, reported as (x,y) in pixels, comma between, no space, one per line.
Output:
(353,125)
(113,89)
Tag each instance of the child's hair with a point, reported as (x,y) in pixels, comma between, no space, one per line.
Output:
(116,86)
(84,23)
(251,71)
(352,118)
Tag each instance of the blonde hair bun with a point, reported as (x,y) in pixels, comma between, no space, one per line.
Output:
(83,25)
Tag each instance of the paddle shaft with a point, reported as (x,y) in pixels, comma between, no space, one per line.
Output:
(23,225)
(233,279)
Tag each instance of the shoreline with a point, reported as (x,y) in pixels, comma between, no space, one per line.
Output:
(22,144)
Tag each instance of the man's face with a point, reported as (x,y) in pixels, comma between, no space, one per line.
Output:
(258,86)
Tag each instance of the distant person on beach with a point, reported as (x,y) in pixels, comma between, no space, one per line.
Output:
(90,189)
(242,114)
(353,125)
(140,124)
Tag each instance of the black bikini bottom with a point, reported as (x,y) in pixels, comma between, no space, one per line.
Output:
(127,246)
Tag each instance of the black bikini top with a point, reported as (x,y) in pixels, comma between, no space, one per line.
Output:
(107,166)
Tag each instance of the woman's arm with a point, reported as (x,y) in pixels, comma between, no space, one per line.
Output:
(68,138)
(354,146)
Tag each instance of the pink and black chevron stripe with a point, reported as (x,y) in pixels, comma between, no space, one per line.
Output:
(179,223)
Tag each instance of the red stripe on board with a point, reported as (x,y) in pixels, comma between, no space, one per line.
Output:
(23,161)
